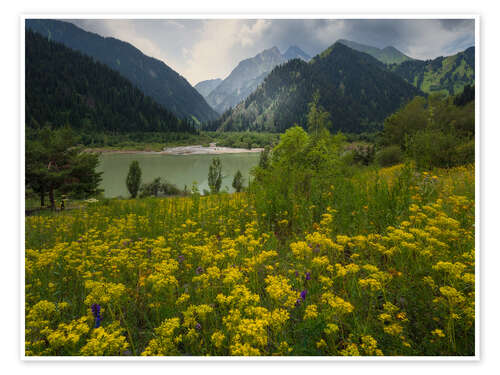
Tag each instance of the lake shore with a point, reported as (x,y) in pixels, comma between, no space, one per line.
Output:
(183,150)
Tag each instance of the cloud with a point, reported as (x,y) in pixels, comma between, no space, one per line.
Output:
(205,49)
(222,45)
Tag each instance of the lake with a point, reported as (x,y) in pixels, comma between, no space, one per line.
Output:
(177,169)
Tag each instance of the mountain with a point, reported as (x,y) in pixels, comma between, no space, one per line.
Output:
(150,75)
(247,75)
(206,87)
(64,86)
(294,52)
(443,74)
(355,88)
(388,55)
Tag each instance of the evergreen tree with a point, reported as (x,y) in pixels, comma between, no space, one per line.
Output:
(215,176)
(55,165)
(238,181)
(134,178)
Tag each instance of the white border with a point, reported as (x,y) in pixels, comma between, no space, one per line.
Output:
(172,16)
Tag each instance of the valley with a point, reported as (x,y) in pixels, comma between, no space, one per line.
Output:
(308,204)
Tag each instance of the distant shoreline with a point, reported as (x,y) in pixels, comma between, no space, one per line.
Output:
(183,150)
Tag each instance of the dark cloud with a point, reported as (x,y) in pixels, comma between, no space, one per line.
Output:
(454,24)
(203,49)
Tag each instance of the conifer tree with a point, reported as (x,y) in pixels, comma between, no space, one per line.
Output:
(238,181)
(134,178)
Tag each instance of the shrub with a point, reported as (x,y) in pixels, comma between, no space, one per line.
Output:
(389,156)
(433,148)
(157,188)
(363,154)
(465,153)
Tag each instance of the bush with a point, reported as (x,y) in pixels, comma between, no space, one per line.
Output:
(157,188)
(434,148)
(389,156)
(465,153)
(363,154)
(151,188)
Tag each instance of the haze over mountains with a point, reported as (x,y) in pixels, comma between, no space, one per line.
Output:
(150,75)
(206,87)
(247,75)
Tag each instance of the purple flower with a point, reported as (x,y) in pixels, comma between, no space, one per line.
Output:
(199,270)
(298,302)
(296,273)
(96,311)
(303,294)
(181,258)
(198,326)
(308,275)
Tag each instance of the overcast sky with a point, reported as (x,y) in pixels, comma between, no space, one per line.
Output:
(206,49)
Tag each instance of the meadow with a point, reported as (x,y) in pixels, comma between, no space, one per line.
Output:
(385,265)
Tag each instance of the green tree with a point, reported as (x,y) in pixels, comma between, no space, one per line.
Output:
(406,122)
(264,158)
(54,164)
(317,118)
(134,178)
(215,176)
(238,181)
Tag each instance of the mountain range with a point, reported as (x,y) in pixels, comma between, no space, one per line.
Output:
(247,75)
(443,74)
(359,86)
(157,80)
(354,87)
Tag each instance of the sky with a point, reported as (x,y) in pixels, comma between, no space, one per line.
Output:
(201,49)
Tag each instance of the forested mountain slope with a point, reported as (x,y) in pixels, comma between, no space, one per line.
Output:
(167,87)
(355,88)
(65,87)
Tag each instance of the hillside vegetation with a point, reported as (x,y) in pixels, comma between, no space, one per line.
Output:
(387,55)
(248,75)
(65,87)
(447,75)
(354,88)
(153,77)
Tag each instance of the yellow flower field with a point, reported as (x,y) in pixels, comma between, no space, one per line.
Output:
(211,276)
